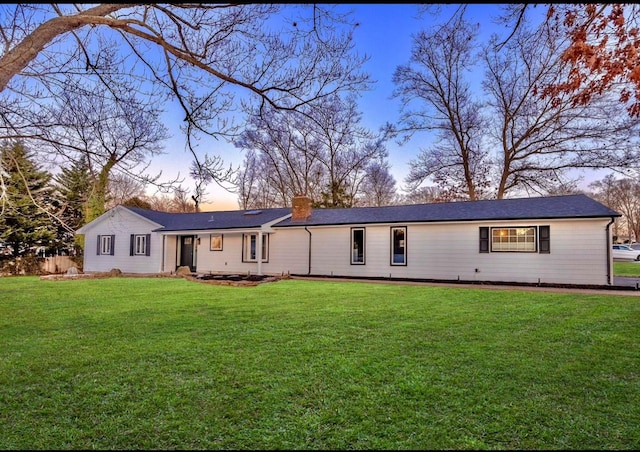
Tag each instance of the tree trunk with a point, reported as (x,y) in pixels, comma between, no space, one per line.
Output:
(98,196)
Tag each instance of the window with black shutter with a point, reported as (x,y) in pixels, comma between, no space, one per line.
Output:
(484,239)
(106,244)
(140,245)
(544,239)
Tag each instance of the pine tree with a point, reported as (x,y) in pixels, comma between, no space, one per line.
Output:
(335,196)
(74,186)
(24,225)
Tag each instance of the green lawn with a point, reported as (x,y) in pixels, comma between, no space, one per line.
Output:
(133,363)
(626,269)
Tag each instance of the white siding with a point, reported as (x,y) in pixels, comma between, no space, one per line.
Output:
(229,260)
(170,254)
(287,254)
(290,251)
(121,223)
(451,252)
(436,251)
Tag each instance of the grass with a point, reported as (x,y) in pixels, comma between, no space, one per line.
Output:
(133,363)
(626,268)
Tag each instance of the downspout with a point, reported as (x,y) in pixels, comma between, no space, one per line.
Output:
(309,265)
(164,253)
(608,233)
(259,252)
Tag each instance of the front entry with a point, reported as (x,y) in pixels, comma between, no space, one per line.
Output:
(186,252)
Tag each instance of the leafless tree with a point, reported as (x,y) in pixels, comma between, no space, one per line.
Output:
(622,195)
(514,141)
(323,149)
(436,81)
(284,149)
(253,183)
(346,147)
(540,139)
(122,187)
(201,57)
(112,126)
(378,187)
(425,195)
(178,200)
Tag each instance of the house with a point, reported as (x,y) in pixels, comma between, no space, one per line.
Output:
(137,240)
(550,240)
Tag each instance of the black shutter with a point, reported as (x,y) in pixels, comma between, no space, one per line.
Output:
(148,242)
(113,245)
(544,240)
(98,249)
(132,240)
(484,239)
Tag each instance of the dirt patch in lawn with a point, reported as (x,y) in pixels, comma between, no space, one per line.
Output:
(234,279)
(216,279)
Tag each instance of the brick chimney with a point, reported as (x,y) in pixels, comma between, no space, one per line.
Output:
(300,208)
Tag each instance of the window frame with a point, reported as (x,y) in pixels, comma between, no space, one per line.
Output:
(509,235)
(485,240)
(352,243)
(246,247)
(106,245)
(544,239)
(403,245)
(217,247)
(140,244)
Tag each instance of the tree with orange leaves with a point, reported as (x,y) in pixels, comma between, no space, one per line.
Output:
(603,52)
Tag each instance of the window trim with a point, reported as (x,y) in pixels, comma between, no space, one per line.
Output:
(352,243)
(544,239)
(246,241)
(392,244)
(135,240)
(211,246)
(484,245)
(103,240)
(140,244)
(535,239)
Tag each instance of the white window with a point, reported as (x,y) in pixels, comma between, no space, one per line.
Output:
(105,244)
(357,246)
(141,244)
(514,239)
(250,248)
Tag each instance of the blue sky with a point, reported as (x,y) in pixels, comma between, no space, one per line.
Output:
(385,35)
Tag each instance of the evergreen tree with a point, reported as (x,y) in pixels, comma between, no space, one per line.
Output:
(24,225)
(335,196)
(74,186)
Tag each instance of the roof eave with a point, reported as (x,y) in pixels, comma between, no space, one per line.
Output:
(467,220)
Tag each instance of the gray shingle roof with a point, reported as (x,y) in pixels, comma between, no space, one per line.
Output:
(553,207)
(232,219)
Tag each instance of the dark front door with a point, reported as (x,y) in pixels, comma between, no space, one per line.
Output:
(186,252)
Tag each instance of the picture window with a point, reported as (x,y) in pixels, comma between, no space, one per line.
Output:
(518,239)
